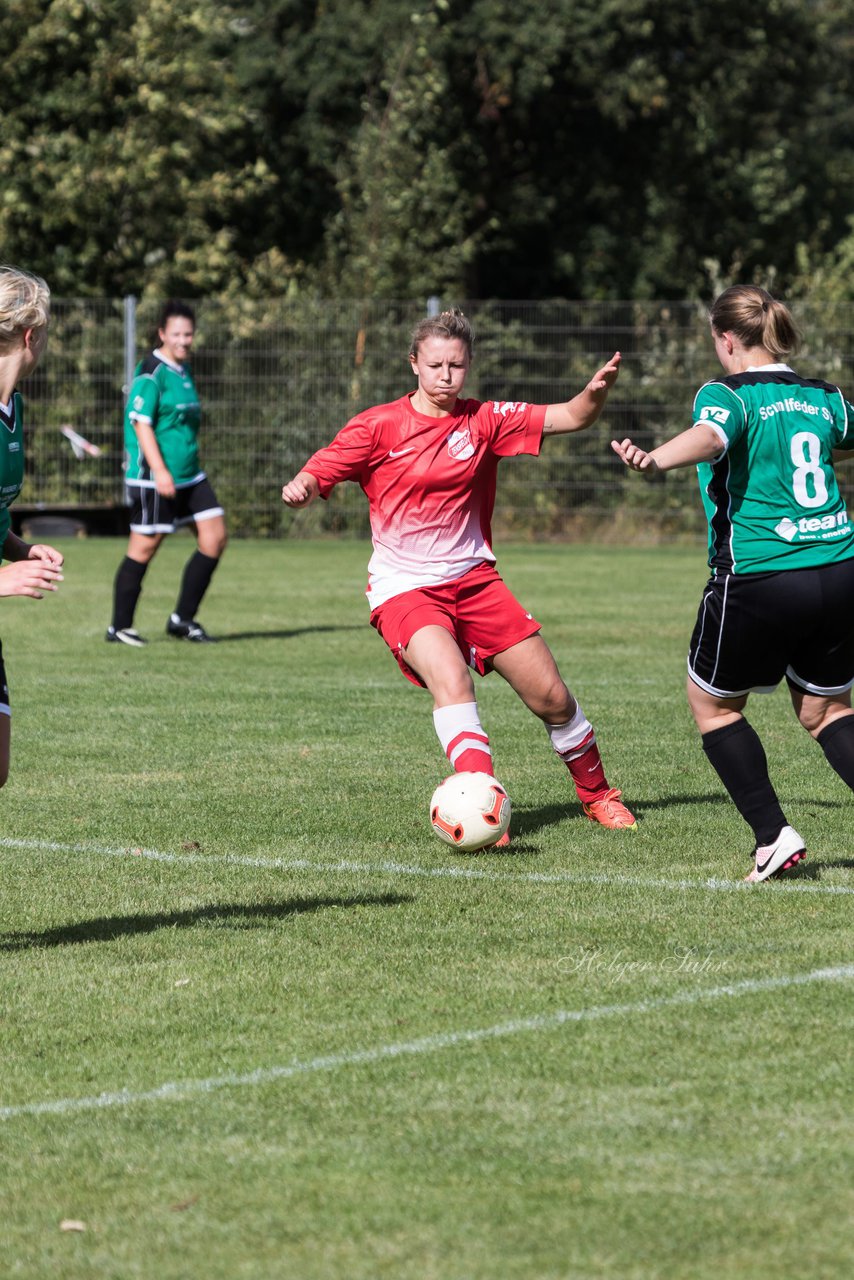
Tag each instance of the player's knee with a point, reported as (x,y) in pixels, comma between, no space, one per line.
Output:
(456,691)
(449,687)
(144,551)
(816,714)
(564,706)
(554,703)
(809,721)
(213,543)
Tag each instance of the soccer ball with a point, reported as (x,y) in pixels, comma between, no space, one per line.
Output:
(470,811)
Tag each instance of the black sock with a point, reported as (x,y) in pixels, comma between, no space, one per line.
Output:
(837,743)
(197,575)
(126,591)
(738,757)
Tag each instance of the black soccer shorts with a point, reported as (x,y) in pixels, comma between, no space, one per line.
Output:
(151,513)
(753,629)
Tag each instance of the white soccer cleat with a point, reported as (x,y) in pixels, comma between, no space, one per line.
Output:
(772,859)
(125,635)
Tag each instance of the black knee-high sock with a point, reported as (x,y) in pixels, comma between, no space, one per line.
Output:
(738,757)
(198,572)
(126,591)
(837,743)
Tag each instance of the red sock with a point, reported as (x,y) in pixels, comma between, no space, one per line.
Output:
(461,734)
(465,756)
(588,772)
(575,743)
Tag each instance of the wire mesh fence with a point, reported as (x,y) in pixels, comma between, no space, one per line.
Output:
(278,378)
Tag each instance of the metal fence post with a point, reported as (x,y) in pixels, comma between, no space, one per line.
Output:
(130,340)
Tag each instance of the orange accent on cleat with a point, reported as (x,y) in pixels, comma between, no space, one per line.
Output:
(503,842)
(610,811)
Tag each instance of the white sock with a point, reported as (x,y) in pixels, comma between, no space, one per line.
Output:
(573,738)
(463,738)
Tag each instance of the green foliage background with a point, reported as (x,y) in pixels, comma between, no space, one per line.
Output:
(395,148)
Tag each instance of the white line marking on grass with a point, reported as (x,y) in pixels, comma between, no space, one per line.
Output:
(348,867)
(185,1090)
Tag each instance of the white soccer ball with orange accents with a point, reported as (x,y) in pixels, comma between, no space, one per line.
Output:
(470,811)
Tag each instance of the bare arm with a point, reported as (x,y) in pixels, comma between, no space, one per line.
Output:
(582,410)
(697,444)
(301,491)
(151,452)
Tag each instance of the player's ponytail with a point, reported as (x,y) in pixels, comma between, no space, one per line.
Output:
(756,319)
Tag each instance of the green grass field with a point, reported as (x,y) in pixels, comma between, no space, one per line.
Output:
(258,1022)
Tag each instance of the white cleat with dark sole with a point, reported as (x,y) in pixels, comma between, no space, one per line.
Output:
(125,635)
(773,859)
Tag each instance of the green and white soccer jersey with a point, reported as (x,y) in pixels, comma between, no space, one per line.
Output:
(11,459)
(771,498)
(166,396)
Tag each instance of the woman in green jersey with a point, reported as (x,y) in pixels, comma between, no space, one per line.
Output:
(32,568)
(166,485)
(780,600)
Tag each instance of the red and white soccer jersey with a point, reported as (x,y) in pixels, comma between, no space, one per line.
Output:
(430,483)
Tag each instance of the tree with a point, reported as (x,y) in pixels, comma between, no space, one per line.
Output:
(403,226)
(622,142)
(489,148)
(129,158)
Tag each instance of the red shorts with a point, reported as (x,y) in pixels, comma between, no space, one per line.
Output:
(479,610)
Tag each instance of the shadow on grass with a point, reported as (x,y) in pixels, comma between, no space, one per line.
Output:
(228,636)
(528,821)
(228,915)
(808,870)
(812,870)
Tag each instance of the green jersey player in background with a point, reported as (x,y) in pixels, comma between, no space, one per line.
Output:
(780,600)
(36,568)
(166,485)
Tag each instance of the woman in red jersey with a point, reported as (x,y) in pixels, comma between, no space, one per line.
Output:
(427,463)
